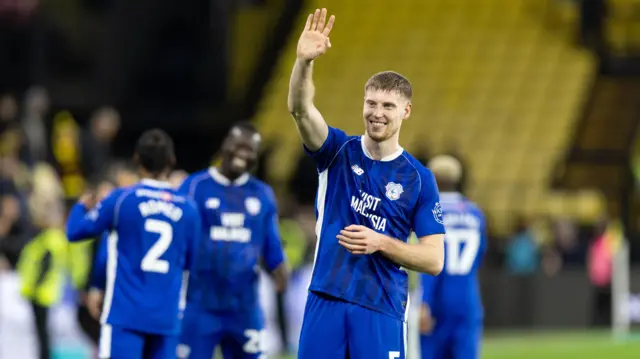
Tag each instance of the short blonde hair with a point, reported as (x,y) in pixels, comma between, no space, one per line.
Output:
(446,167)
(390,81)
(46,201)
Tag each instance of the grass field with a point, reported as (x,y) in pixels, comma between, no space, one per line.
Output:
(557,346)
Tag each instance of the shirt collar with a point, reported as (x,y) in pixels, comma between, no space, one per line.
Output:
(388,158)
(155,183)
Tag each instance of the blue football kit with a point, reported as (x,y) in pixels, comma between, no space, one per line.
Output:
(454,296)
(357,304)
(98,273)
(240,233)
(153,238)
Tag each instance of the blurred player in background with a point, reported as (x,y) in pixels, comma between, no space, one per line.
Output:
(240,221)
(451,314)
(154,235)
(371,196)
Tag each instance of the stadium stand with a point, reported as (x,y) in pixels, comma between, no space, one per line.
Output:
(493,79)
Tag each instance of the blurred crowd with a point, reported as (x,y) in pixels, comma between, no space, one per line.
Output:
(47,159)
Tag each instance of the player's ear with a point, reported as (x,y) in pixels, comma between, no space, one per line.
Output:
(407,111)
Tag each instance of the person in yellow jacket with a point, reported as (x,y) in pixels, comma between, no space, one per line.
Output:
(42,265)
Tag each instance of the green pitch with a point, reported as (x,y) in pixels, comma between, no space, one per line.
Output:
(556,346)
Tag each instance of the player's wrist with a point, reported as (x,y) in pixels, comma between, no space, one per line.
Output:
(304,62)
(385,243)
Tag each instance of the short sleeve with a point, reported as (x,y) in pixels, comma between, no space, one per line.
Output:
(325,154)
(427,218)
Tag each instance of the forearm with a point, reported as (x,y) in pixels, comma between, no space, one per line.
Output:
(311,125)
(301,89)
(281,277)
(78,227)
(424,257)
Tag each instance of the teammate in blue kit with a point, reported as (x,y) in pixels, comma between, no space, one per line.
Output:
(154,236)
(451,314)
(240,222)
(371,196)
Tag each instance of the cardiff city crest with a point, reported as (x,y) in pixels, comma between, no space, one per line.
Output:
(394,190)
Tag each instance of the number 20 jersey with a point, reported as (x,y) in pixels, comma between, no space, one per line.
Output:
(153,239)
(456,291)
(239,233)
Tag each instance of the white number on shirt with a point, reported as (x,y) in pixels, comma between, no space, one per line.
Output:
(459,262)
(394,355)
(151,261)
(254,344)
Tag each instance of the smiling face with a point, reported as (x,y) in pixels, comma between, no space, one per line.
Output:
(383,113)
(387,102)
(240,151)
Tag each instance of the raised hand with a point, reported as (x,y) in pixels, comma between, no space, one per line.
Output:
(314,40)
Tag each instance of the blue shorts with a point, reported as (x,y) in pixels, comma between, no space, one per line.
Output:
(453,339)
(120,343)
(336,329)
(239,335)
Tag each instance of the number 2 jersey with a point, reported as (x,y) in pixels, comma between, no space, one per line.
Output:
(455,292)
(240,232)
(393,196)
(153,238)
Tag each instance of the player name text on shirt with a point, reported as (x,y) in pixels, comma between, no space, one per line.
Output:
(460,219)
(151,207)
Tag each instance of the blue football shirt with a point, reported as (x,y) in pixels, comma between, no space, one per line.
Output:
(393,196)
(240,232)
(153,238)
(456,291)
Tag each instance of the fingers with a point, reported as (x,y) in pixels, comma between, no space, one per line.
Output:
(329,26)
(355,228)
(318,22)
(353,248)
(352,235)
(322,20)
(350,240)
(307,26)
(316,18)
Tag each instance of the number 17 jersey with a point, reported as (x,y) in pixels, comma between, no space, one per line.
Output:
(456,291)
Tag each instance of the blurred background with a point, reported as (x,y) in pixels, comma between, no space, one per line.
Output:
(539,99)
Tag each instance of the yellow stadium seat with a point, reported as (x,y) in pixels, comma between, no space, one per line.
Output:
(488,75)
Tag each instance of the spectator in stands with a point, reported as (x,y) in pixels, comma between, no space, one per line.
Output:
(97,140)
(36,108)
(522,254)
(43,262)
(15,228)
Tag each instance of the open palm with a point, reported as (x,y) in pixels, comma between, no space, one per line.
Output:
(314,40)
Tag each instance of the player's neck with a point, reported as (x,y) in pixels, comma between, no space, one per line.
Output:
(380,150)
(228,175)
(163,177)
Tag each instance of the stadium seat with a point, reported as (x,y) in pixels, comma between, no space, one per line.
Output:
(488,76)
